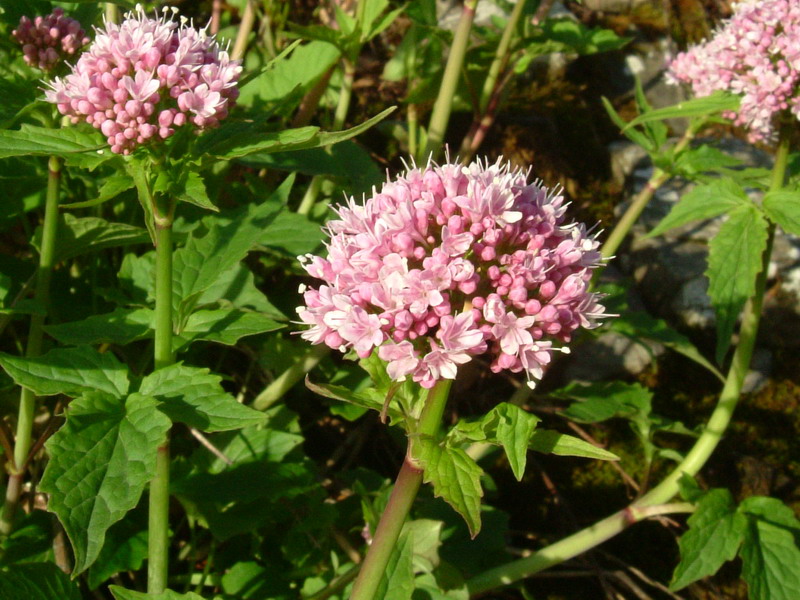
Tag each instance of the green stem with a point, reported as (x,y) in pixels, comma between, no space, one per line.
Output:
(696,458)
(501,56)
(245,28)
(112,13)
(413,129)
(286,380)
(27,401)
(402,497)
(657,179)
(452,72)
(345,95)
(158,526)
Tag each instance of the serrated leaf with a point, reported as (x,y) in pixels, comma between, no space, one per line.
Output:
(43,141)
(123,594)
(125,548)
(397,579)
(69,371)
(456,478)
(601,401)
(81,235)
(695,161)
(123,326)
(703,202)
(100,462)
(223,326)
(716,103)
(783,208)
(561,444)
(734,262)
(506,425)
(770,556)
(203,260)
(192,189)
(37,581)
(194,396)
(111,188)
(715,533)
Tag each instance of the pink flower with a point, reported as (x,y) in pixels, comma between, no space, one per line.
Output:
(447,263)
(46,41)
(756,55)
(143,78)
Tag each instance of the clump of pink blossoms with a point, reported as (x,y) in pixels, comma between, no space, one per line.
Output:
(143,78)
(46,41)
(450,262)
(756,55)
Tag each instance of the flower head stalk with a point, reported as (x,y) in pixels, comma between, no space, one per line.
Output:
(756,55)
(142,79)
(450,262)
(48,40)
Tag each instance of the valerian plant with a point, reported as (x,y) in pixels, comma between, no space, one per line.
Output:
(156,416)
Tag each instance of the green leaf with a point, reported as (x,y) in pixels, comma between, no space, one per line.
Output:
(695,161)
(192,189)
(203,260)
(716,103)
(601,401)
(703,202)
(81,235)
(223,326)
(734,262)
(123,326)
(37,581)
(293,234)
(783,207)
(228,145)
(715,533)
(111,188)
(505,425)
(125,548)
(397,579)
(43,141)
(123,594)
(69,371)
(455,477)
(561,444)
(100,462)
(770,556)
(194,396)
(369,398)
(139,170)
(634,135)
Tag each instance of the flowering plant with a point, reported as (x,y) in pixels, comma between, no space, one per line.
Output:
(755,54)
(48,40)
(449,262)
(143,78)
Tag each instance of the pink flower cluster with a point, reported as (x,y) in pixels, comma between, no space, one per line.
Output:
(450,262)
(755,54)
(143,78)
(47,40)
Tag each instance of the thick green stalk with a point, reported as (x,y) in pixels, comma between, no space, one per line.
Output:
(657,179)
(343,106)
(405,490)
(158,526)
(696,458)
(27,401)
(452,72)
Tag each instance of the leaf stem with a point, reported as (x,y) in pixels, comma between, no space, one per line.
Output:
(657,179)
(158,526)
(501,56)
(284,382)
(27,401)
(402,497)
(452,72)
(696,458)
